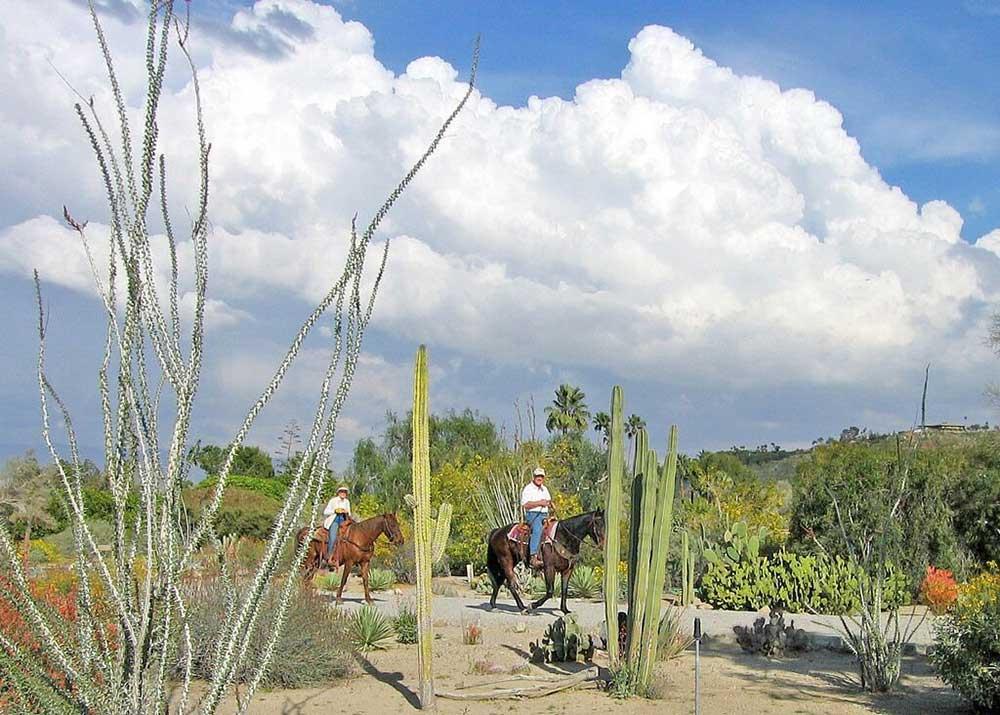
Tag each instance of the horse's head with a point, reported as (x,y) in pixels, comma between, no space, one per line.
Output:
(392,530)
(596,531)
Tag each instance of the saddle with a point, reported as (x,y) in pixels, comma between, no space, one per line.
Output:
(321,533)
(521,533)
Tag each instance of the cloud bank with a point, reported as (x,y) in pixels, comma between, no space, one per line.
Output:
(679,225)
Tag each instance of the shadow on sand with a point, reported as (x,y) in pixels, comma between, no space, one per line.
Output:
(395,680)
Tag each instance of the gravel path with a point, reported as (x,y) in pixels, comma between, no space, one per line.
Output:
(456,610)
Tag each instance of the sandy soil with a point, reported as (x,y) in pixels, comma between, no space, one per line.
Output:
(731,682)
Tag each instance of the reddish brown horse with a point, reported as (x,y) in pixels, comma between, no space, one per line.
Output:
(502,555)
(355,546)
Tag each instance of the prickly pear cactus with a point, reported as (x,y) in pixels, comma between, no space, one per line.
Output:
(564,641)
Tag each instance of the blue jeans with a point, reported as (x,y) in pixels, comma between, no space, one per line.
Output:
(332,538)
(534,519)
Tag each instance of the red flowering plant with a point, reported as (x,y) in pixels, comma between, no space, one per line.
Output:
(56,597)
(938,590)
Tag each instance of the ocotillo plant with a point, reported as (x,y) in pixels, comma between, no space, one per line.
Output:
(422,528)
(649,537)
(147,385)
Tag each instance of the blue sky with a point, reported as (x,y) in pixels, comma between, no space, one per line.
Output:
(755,265)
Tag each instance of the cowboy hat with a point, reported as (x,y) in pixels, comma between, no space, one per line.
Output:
(539,472)
(342,488)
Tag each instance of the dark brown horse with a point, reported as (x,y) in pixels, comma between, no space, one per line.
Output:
(502,555)
(355,546)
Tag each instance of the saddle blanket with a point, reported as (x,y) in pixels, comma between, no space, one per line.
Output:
(522,532)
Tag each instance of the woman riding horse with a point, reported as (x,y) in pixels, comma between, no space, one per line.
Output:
(502,555)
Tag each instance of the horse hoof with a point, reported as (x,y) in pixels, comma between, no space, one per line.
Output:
(490,607)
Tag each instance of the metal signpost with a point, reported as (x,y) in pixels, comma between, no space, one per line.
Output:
(697,666)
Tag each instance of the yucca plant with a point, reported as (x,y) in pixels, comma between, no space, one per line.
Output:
(405,624)
(151,370)
(381,579)
(584,583)
(672,638)
(370,629)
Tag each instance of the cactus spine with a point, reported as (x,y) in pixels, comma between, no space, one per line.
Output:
(612,523)
(651,521)
(421,529)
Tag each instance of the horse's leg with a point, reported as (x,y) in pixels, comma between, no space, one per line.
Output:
(364,580)
(348,565)
(566,576)
(508,572)
(550,580)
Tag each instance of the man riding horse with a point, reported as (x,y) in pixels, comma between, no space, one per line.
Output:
(337,511)
(536,500)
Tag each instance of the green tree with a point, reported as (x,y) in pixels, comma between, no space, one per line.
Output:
(568,411)
(25,496)
(249,461)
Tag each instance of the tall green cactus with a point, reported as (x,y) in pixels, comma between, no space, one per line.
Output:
(649,540)
(421,528)
(687,570)
(612,523)
(664,515)
(440,528)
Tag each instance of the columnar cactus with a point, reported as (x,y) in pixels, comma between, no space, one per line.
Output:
(422,530)
(612,523)
(687,570)
(649,540)
(440,528)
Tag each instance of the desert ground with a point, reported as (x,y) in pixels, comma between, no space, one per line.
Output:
(823,680)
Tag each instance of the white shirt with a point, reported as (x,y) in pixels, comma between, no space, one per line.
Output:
(532,493)
(333,507)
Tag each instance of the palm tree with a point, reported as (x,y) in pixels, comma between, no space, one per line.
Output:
(602,424)
(568,412)
(633,424)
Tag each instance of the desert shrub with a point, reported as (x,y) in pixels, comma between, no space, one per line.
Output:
(405,624)
(482,584)
(967,642)
(772,637)
(243,512)
(381,579)
(269,487)
(672,638)
(314,643)
(796,583)
(370,629)
(938,590)
(41,552)
(624,683)
(103,533)
(584,583)
(854,474)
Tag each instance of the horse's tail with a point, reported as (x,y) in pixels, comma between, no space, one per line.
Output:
(493,567)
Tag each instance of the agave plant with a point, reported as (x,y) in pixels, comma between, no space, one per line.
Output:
(584,583)
(381,579)
(370,629)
